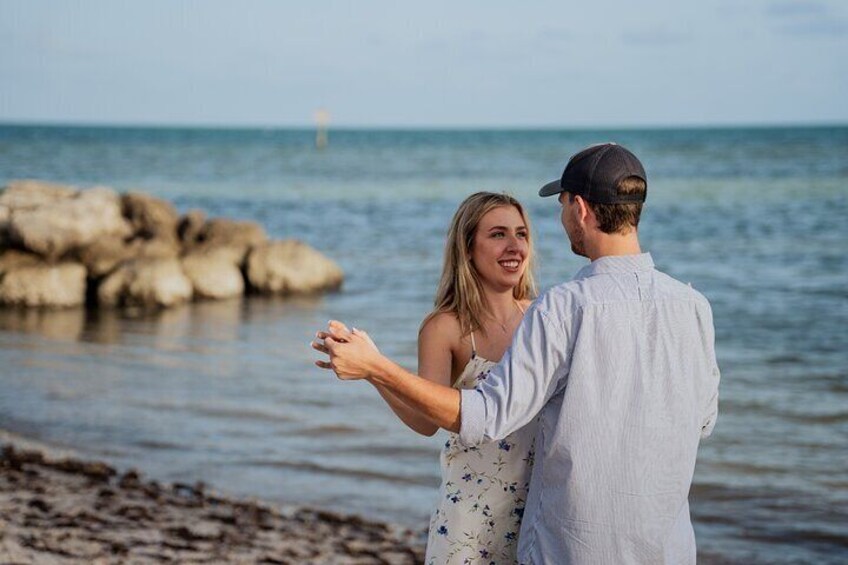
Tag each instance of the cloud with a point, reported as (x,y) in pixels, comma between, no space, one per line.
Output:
(836,28)
(790,8)
(657,36)
(554,34)
(806,18)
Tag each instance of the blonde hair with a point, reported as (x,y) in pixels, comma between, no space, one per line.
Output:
(460,291)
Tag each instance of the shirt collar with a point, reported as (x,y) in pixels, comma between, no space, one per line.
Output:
(617,264)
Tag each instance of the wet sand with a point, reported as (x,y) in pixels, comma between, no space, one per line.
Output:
(57,509)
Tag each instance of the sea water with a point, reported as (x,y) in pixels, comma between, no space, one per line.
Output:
(226,392)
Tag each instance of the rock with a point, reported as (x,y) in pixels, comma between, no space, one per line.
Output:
(39,504)
(197,531)
(215,273)
(146,283)
(52,512)
(190,227)
(156,248)
(28,281)
(92,469)
(288,267)
(134,512)
(55,228)
(130,480)
(12,259)
(150,217)
(102,256)
(189,491)
(26,194)
(230,233)
(17,457)
(13,552)
(5,215)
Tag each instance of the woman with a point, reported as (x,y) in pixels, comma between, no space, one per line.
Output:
(485,287)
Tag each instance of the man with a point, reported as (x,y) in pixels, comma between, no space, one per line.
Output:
(619,366)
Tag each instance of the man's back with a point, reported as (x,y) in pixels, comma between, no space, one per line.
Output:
(618,440)
(620,366)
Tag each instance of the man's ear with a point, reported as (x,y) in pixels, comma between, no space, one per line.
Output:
(583,209)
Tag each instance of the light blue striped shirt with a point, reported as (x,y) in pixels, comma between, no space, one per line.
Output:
(619,365)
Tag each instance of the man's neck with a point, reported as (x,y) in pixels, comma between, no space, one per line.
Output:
(606,245)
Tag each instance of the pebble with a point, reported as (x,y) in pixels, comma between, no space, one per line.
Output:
(72,511)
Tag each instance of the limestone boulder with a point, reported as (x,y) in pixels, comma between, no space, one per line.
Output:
(290,267)
(53,229)
(12,259)
(220,232)
(146,283)
(156,248)
(5,215)
(190,226)
(27,194)
(104,255)
(27,280)
(150,217)
(215,273)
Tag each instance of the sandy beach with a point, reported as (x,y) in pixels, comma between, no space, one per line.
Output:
(60,509)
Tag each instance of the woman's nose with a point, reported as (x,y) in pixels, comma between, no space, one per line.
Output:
(514,243)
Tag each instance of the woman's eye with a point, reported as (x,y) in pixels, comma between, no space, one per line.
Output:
(522,234)
(498,234)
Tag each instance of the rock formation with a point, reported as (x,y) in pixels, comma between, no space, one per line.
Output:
(290,267)
(61,246)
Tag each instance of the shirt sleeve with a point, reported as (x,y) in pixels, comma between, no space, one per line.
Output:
(709,413)
(532,370)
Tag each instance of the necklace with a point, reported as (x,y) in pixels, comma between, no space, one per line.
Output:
(509,319)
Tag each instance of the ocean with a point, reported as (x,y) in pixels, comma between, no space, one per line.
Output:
(227,393)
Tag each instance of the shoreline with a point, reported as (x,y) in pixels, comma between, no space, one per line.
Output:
(57,508)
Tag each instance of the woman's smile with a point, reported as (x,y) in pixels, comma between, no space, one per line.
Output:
(511,265)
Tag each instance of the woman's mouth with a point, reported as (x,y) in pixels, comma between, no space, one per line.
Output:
(510,264)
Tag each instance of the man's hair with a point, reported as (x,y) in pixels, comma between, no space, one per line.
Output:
(620,218)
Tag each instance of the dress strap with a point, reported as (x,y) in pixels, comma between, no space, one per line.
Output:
(473,346)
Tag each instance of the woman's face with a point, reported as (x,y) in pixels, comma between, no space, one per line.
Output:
(501,250)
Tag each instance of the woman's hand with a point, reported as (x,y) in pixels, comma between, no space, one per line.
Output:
(353,354)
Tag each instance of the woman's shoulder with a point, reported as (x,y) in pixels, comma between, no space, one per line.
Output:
(442,328)
(442,323)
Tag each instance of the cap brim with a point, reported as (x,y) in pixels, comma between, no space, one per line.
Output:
(553,187)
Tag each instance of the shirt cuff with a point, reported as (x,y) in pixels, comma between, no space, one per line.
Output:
(472,417)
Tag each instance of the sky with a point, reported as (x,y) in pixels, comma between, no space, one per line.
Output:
(376,63)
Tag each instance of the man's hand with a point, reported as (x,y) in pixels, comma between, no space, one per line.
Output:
(352,354)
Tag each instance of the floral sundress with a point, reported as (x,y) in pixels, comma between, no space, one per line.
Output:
(483,492)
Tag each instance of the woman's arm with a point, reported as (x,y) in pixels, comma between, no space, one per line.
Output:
(434,364)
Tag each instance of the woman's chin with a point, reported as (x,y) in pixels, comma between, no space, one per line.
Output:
(507,281)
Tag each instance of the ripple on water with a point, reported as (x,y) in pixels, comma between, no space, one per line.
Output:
(356,474)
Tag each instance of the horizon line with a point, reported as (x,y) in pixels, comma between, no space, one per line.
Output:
(429,127)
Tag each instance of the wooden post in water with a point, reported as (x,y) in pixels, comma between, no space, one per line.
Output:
(322,121)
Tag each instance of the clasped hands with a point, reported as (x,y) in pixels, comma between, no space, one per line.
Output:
(352,354)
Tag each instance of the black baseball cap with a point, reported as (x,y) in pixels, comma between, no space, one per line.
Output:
(595,172)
